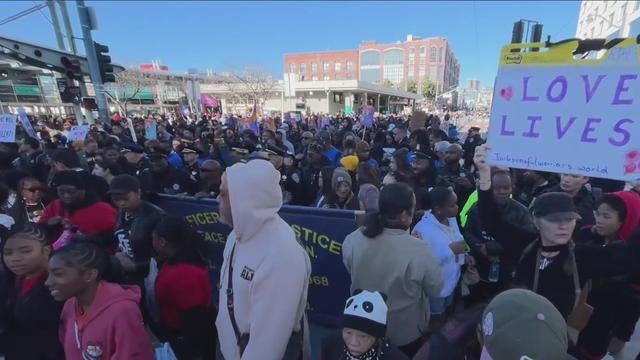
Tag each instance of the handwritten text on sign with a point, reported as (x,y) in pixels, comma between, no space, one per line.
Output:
(578,120)
(7,128)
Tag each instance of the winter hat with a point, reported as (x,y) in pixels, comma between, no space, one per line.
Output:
(520,324)
(367,312)
(441,146)
(340,175)
(350,162)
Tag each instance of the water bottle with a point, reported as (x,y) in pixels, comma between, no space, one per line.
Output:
(66,238)
(494,271)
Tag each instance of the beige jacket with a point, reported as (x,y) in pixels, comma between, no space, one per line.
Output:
(402,267)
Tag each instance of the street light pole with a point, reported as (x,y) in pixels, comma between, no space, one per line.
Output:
(92,59)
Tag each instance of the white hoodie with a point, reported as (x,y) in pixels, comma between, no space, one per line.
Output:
(270,269)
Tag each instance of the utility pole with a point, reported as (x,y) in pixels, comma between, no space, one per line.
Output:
(77,110)
(74,49)
(92,59)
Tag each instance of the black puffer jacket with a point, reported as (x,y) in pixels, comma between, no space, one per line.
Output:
(140,239)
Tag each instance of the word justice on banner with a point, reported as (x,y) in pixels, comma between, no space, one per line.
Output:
(319,231)
(582,120)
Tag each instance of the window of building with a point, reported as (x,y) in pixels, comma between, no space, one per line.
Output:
(314,68)
(370,58)
(325,67)
(412,60)
(611,16)
(349,66)
(326,77)
(423,61)
(423,72)
(338,77)
(292,68)
(440,59)
(314,78)
(338,66)
(370,75)
(432,56)
(423,51)
(349,76)
(432,73)
(412,52)
(303,68)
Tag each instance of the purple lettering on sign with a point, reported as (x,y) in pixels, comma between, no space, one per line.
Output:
(533,119)
(503,127)
(626,135)
(621,88)
(563,90)
(589,91)
(563,130)
(588,128)
(525,85)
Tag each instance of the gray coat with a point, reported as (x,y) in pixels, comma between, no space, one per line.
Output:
(402,267)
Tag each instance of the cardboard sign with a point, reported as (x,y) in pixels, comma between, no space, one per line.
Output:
(78,133)
(7,128)
(568,118)
(26,124)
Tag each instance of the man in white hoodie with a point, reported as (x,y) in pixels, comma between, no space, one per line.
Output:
(269,269)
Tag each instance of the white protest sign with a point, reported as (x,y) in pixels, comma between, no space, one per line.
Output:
(78,133)
(582,120)
(7,128)
(26,124)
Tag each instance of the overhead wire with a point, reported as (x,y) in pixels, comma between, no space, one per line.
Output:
(43,14)
(22,13)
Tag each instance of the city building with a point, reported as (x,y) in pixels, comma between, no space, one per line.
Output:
(608,19)
(416,59)
(473,84)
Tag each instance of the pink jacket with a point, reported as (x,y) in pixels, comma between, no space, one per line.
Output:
(113,329)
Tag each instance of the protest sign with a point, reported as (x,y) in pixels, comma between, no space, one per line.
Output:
(573,116)
(26,124)
(7,128)
(78,133)
(150,129)
(320,232)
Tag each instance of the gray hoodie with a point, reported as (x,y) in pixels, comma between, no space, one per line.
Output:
(270,269)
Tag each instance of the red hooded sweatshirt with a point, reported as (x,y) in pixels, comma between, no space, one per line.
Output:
(631,201)
(112,328)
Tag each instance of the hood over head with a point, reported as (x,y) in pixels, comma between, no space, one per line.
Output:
(632,221)
(255,195)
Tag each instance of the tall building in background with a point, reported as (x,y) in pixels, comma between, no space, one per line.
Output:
(416,59)
(608,19)
(473,84)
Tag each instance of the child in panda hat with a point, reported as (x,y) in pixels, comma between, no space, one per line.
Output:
(364,326)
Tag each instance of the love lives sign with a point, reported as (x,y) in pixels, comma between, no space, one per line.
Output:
(582,120)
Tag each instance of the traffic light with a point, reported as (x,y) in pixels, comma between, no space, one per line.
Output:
(104,63)
(72,68)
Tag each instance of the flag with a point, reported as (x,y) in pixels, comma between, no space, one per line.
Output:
(207,100)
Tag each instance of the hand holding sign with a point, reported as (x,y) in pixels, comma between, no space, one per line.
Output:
(78,133)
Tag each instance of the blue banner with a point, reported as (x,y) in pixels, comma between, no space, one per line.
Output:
(320,231)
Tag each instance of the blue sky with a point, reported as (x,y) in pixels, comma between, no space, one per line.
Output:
(232,35)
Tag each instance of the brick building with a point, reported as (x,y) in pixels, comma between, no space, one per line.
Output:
(415,59)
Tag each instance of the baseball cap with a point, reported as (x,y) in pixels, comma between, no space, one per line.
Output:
(555,206)
(520,324)
(190,150)
(123,184)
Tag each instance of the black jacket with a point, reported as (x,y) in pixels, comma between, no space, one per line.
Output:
(518,224)
(140,241)
(31,326)
(173,181)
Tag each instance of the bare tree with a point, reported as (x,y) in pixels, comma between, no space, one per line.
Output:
(256,84)
(129,83)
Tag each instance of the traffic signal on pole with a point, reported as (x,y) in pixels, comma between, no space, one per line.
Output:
(72,68)
(104,63)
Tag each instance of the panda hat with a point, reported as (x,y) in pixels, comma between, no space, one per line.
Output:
(367,312)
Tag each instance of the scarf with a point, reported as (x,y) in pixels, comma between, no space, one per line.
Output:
(372,354)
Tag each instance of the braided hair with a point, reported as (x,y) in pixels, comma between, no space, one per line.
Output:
(83,255)
(189,245)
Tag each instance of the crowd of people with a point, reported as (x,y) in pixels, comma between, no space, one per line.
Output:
(452,259)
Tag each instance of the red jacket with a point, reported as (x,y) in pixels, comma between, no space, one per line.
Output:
(95,219)
(112,328)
